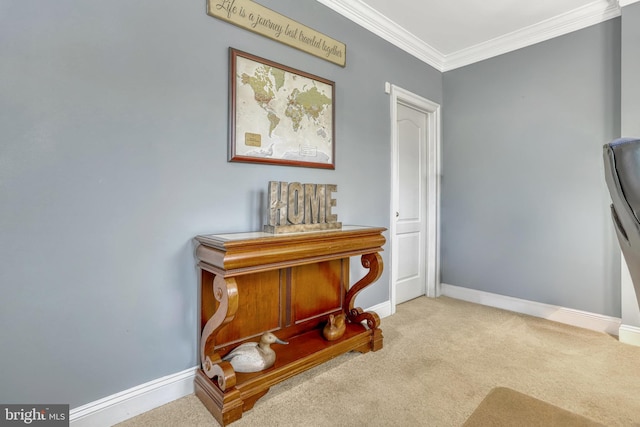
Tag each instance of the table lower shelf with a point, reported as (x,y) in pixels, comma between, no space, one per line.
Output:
(303,352)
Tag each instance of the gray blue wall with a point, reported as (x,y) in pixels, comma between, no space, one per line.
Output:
(524,203)
(630,47)
(113,120)
(630,42)
(113,124)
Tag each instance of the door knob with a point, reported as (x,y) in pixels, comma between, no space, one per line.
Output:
(397,214)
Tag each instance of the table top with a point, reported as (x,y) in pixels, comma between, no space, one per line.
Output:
(223,238)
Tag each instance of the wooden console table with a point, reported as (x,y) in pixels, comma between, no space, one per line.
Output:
(287,284)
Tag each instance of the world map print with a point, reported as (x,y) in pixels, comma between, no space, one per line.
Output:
(282,115)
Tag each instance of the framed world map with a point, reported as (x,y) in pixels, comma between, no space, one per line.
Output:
(279,115)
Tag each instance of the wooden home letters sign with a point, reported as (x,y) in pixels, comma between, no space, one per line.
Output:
(294,207)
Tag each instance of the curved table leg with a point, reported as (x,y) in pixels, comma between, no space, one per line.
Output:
(355,314)
(225,292)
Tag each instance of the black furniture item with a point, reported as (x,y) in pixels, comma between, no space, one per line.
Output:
(622,174)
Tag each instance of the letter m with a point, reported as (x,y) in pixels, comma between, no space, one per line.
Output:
(314,206)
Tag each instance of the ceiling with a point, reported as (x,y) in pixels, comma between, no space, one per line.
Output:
(448,34)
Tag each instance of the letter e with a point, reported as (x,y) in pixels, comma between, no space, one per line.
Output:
(331,188)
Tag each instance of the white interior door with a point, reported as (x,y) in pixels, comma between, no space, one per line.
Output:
(415,265)
(410,215)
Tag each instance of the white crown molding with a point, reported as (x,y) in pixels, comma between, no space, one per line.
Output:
(577,19)
(624,3)
(363,15)
(382,26)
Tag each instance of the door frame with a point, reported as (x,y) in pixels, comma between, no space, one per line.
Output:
(432,187)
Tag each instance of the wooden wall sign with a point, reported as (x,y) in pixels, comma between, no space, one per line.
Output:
(264,21)
(294,207)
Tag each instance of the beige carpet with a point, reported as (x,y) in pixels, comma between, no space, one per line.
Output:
(506,407)
(441,358)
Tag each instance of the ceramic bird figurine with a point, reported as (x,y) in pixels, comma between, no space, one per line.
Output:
(335,327)
(254,356)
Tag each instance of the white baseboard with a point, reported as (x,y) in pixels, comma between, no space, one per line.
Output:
(382,309)
(134,401)
(569,316)
(629,335)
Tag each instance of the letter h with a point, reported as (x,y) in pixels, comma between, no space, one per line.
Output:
(278,197)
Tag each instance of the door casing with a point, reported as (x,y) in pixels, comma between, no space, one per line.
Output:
(432,186)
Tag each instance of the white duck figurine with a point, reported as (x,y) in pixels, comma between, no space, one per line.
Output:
(254,356)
